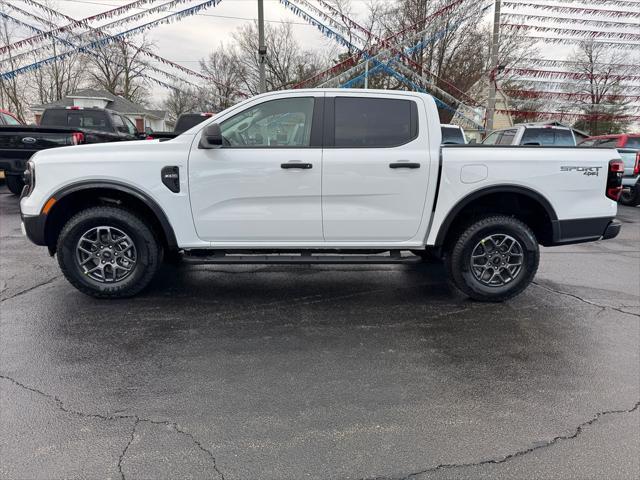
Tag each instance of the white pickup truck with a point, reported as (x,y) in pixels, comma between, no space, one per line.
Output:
(316,176)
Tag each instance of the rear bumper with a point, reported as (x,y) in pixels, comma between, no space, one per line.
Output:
(34,228)
(581,230)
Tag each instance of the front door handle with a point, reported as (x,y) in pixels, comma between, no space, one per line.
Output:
(404,165)
(304,166)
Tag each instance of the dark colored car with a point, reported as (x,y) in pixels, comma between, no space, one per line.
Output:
(184,123)
(59,127)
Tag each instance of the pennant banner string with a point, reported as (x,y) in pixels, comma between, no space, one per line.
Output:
(573,20)
(575,9)
(149,54)
(355,58)
(380,41)
(177,16)
(82,23)
(121,21)
(588,34)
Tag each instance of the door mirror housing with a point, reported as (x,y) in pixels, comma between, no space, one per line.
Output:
(211,137)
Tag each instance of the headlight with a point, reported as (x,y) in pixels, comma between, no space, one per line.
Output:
(29,177)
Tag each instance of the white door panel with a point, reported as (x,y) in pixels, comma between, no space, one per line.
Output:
(245,194)
(365,199)
(246,191)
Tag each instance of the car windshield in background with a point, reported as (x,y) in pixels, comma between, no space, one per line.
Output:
(185,122)
(93,120)
(547,136)
(452,136)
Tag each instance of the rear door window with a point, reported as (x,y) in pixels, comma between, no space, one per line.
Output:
(492,139)
(507,137)
(451,136)
(374,122)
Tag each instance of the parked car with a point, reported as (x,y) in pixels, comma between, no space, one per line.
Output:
(617,140)
(533,134)
(8,118)
(59,127)
(452,135)
(317,176)
(184,123)
(19,143)
(628,146)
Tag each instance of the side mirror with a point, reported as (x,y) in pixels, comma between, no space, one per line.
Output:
(211,137)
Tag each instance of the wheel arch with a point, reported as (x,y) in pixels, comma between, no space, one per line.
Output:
(75,197)
(522,202)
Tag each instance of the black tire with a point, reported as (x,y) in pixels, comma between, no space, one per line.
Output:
(148,252)
(14,184)
(630,197)
(458,258)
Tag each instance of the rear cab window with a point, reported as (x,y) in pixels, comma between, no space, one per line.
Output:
(361,122)
(547,136)
(89,119)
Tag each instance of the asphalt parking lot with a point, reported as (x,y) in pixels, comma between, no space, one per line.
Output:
(318,372)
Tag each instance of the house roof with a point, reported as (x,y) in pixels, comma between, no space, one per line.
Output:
(114,102)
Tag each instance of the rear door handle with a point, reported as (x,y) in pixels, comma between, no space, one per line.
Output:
(304,166)
(404,165)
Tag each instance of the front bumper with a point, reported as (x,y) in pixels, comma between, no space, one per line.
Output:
(630,181)
(582,230)
(33,226)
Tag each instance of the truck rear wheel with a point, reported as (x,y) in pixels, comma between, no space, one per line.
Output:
(14,183)
(108,252)
(493,259)
(630,197)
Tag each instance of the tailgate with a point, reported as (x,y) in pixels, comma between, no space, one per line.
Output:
(15,141)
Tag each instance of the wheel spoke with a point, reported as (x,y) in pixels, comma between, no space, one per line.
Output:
(497,260)
(112,250)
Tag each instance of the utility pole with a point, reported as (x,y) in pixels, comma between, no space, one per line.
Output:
(494,67)
(262,48)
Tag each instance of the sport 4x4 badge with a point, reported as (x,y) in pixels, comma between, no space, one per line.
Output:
(585,170)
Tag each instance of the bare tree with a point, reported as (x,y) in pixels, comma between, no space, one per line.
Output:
(227,74)
(287,62)
(183,99)
(120,68)
(601,77)
(12,92)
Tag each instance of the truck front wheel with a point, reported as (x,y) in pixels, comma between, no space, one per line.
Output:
(108,252)
(14,183)
(493,259)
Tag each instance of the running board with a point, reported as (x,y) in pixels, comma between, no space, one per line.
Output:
(226,258)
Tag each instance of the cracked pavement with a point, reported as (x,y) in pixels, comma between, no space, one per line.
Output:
(318,372)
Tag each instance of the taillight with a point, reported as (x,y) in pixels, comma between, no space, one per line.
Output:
(77,138)
(614,179)
(636,167)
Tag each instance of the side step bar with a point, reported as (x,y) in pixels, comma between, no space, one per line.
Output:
(279,259)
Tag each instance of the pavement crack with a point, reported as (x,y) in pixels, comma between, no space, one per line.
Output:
(27,290)
(136,420)
(124,452)
(584,300)
(537,446)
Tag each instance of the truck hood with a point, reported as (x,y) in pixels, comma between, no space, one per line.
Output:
(115,152)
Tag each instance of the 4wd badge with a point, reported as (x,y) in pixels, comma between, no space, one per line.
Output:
(590,171)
